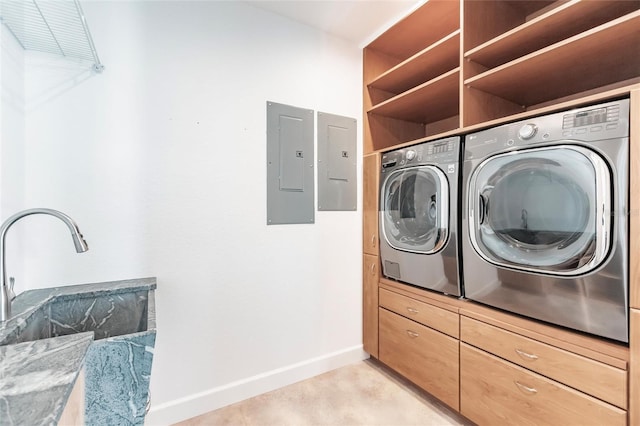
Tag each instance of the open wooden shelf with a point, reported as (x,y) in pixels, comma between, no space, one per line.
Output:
(439,58)
(432,101)
(428,24)
(598,57)
(566,20)
(453,67)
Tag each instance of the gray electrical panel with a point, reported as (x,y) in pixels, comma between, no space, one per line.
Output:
(337,184)
(290,160)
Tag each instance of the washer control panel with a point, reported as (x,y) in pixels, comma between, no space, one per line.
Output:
(444,151)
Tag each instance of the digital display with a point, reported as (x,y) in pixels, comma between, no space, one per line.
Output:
(438,148)
(591,117)
(586,118)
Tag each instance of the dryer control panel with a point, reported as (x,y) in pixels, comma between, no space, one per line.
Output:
(585,125)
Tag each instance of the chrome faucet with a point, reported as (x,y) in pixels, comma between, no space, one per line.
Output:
(6,291)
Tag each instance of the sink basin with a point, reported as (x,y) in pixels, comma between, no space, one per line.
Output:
(117,365)
(106,316)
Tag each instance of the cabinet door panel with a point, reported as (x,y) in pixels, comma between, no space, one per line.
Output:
(426,357)
(595,378)
(370,278)
(495,392)
(437,318)
(634,369)
(370,189)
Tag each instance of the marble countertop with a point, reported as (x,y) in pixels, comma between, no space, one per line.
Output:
(36,377)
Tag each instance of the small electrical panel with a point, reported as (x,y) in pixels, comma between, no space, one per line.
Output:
(290,164)
(337,160)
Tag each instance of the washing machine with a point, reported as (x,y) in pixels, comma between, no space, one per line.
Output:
(545,204)
(418,215)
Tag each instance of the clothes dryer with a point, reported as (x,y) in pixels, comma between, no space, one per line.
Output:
(545,204)
(418,215)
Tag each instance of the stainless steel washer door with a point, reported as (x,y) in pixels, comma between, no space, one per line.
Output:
(543,209)
(415,209)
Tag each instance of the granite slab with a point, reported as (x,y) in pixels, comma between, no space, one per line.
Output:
(36,378)
(40,363)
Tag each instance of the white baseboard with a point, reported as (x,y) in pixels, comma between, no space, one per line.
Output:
(196,404)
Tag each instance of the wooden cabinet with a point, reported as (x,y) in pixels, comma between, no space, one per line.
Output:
(634,369)
(634,203)
(537,52)
(453,67)
(370,190)
(427,314)
(371,276)
(425,356)
(589,376)
(412,77)
(453,64)
(494,391)
(370,247)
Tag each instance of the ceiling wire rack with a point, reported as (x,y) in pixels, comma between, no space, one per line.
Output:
(58,27)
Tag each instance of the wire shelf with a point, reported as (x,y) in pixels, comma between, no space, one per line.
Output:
(58,27)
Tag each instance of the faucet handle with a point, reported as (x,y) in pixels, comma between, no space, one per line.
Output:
(12,282)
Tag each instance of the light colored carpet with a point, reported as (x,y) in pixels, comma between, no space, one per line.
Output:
(366,393)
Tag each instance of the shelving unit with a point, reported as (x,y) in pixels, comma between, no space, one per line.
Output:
(56,27)
(436,59)
(453,67)
(414,104)
(410,64)
(561,22)
(580,63)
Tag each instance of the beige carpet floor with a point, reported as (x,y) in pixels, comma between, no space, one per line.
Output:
(366,393)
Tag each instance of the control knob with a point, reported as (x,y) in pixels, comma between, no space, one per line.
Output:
(411,154)
(527,131)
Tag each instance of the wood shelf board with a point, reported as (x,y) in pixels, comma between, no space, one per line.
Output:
(634,207)
(584,55)
(388,131)
(418,104)
(376,63)
(427,24)
(439,58)
(561,22)
(599,97)
(484,20)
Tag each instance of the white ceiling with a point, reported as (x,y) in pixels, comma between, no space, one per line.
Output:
(359,21)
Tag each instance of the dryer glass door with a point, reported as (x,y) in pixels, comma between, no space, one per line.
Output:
(543,209)
(415,209)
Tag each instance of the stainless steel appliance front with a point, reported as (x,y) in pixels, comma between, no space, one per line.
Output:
(418,215)
(545,218)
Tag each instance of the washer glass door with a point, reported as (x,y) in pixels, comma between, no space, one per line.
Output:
(415,209)
(542,209)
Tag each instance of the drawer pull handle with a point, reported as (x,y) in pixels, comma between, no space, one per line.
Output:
(526,389)
(523,354)
(412,334)
(372,268)
(412,311)
(373,240)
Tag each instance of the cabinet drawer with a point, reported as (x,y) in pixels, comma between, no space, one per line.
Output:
(595,378)
(429,315)
(494,391)
(426,357)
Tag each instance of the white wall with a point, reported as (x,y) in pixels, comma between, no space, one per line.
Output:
(161,161)
(12,142)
